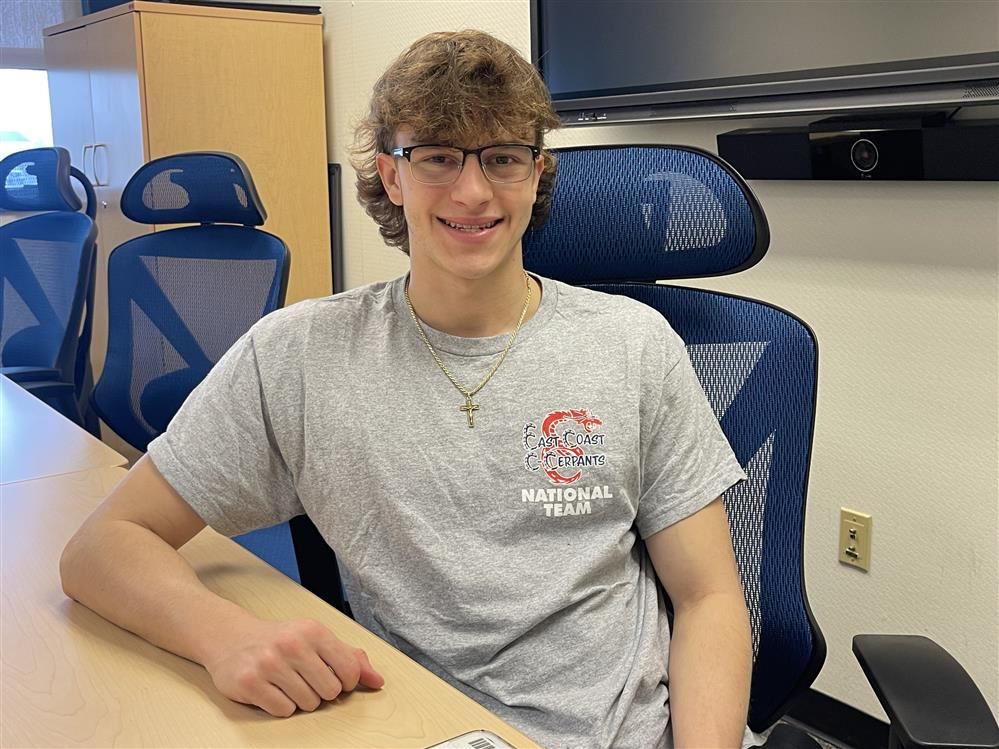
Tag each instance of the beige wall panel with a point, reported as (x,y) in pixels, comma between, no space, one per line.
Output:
(255,89)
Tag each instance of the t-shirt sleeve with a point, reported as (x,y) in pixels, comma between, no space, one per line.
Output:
(686,459)
(220,451)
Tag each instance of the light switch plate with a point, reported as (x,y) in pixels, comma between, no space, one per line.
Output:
(855,538)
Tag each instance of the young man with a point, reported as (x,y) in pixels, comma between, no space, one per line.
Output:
(483,450)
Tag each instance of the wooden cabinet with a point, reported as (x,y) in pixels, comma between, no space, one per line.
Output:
(145,80)
(91,69)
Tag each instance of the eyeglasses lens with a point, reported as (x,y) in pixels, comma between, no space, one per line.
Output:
(437,165)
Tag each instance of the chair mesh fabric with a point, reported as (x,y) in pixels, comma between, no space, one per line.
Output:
(45,263)
(193,188)
(645,213)
(37,179)
(275,546)
(639,213)
(47,271)
(757,365)
(178,300)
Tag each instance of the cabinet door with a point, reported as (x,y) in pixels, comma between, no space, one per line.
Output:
(115,90)
(69,96)
(119,150)
(253,87)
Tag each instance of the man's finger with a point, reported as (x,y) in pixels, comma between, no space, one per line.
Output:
(321,677)
(272,700)
(341,659)
(368,677)
(292,684)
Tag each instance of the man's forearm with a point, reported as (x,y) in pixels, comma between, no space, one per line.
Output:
(134,579)
(710,663)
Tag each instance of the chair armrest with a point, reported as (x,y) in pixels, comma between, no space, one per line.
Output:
(930,699)
(30,374)
(784,736)
(47,386)
(59,395)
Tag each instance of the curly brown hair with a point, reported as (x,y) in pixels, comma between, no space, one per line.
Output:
(451,87)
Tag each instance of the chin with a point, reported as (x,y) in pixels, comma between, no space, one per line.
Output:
(471,271)
(483,264)
(475,264)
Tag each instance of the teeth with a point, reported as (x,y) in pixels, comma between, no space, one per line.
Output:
(469,227)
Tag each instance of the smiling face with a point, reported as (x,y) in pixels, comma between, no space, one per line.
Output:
(462,88)
(470,229)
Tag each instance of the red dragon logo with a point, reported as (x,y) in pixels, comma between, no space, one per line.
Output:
(546,451)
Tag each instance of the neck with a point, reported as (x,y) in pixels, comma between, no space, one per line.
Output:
(475,308)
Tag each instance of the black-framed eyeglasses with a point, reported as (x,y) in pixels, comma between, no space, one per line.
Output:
(440,165)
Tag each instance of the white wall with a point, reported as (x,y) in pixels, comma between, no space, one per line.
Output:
(899,282)
(21,29)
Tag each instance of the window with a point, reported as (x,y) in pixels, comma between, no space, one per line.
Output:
(25,119)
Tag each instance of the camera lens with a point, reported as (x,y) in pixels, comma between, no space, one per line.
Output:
(864,155)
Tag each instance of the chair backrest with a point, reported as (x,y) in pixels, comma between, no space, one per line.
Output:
(179,298)
(625,217)
(47,264)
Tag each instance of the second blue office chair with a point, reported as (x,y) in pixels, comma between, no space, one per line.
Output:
(178,299)
(625,217)
(47,267)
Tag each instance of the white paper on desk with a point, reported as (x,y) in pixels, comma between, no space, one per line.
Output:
(474,740)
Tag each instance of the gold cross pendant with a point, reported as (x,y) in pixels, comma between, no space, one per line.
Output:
(469,408)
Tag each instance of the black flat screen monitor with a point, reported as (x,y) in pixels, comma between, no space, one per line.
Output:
(650,59)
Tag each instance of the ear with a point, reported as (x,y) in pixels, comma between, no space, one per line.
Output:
(539,168)
(389,172)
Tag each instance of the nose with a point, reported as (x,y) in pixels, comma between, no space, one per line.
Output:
(472,187)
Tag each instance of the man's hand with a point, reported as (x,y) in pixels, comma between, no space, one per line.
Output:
(283,666)
(123,564)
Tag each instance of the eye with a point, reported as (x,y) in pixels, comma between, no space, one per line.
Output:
(505,158)
(437,157)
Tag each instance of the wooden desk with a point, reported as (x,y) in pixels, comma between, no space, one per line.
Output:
(69,678)
(37,441)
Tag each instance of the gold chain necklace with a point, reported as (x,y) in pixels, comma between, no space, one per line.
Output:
(470,408)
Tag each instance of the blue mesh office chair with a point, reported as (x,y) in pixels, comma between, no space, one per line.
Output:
(47,268)
(625,217)
(178,299)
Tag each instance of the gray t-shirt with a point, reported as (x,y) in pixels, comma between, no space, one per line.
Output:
(504,558)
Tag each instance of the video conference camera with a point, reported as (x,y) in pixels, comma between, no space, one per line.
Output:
(916,147)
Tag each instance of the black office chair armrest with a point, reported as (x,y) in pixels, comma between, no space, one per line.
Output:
(30,374)
(787,737)
(930,699)
(59,395)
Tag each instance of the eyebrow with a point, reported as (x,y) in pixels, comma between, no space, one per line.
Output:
(442,139)
(461,148)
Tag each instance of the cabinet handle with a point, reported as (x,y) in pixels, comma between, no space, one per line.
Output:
(93,165)
(83,161)
(97,180)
